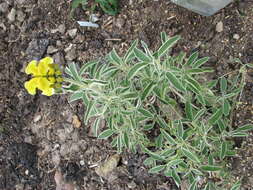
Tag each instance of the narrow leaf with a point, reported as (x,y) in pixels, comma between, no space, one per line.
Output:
(192,58)
(167,45)
(176,178)
(210,168)
(200,62)
(146,113)
(76,96)
(190,155)
(147,90)
(175,82)
(223,150)
(168,137)
(215,117)
(135,69)
(130,51)
(142,56)
(223,85)
(106,134)
(88,112)
(245,128)
(114,57)
(226,107)
(156,169)
(188,110)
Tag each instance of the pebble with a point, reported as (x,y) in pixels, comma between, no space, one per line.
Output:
(72,33)
(76,122)
(120,22)
(37,118)
(4,7)
(11,16)
(219,27)
(82,162)
(51,50)
(20,16)
(70,53)
(62,28)
(58,58)
(236,36)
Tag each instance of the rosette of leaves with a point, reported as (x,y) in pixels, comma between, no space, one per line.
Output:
(163,104)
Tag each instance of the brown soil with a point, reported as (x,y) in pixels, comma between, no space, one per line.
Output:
(39,135)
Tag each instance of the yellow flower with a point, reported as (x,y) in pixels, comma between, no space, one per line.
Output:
(45,76)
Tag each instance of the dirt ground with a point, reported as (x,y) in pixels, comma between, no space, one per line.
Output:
(40,136)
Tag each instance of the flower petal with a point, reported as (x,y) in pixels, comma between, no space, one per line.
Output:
(43,65)
(45,86)
(32,68)
(31,86)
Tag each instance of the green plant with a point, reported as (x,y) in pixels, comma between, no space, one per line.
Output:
(108,6)
(163,104)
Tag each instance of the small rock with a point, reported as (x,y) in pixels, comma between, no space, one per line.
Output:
(82,162)
(72,33)
(219,27)
(36,118)
(76,122)
(58,43)
(56,158)
(108,166)
(120,22)
(12,15)
(71,54)
(4,7)
(3,26)
(236,36)
(58,58)
(62,28)
(131,185)
(51,50)
(37,48)
(20,16)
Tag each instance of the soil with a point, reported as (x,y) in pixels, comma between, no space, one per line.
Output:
(40,136)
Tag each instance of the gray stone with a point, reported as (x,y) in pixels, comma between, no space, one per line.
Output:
(62,28)
(37,48)
(12,15)
(72,33)
(20,16)
(219,27)
(236,36)
(51,50)
(4,7)
(120,22)
(71,54)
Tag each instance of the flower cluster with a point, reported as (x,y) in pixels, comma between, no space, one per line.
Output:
(46,76)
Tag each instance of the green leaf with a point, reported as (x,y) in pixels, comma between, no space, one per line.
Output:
(193,84)
(193,185)
(176,178)
(180,129)
(199,114)
(215,117)
(192,58)
(223,150)
(114,57)
(146,113)
(239,134)
(130,51)
(175,82)
(199,70)
(223,85)
(245,128)
(164,37)
(130,95)
(135,69)
(142,56)
(200,62)
(152,154)
(167,45)
(106,134)
(95,127)
(236,186)
(74,73)
(149,161)
(210,168)
(86,66)
(168,137)
(226,107)
(76,3)
(88,112)
(156,169)
(147,90)
(159,141)
(188,110)
(174,163)
(192,156)
(76,96)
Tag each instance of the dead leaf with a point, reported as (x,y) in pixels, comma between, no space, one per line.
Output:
(76,122)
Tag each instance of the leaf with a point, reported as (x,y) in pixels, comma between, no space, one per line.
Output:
(236,186)
(192,58)
(245,128)
(136,68)
(106,134)
(194,84)
(193,185)
(152,154)
(148,161)
(223,85)
(168,137)
(130,95)
(74,73)
(223,150)
(130,51)
(199,70)
(88,112)
(175,82)
(142,56)
(239,134)
(76,96)
(95,127)
(115,57)
(180,129)
(188,110)
(200,62)
(215,117)
(164,37)
(147,90)
(146,113)
(76,3)
(210,168)
(174,163)
(199,114)
(226,107)
(190,155)
(86,66)
(167,45)
(176,178)
(156,169)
